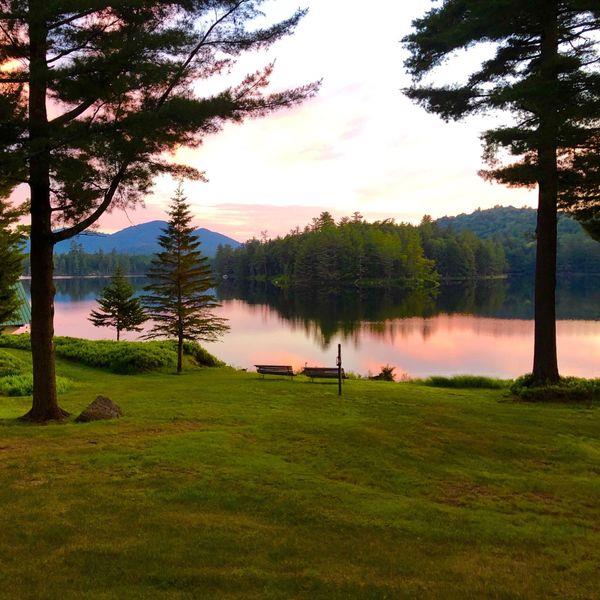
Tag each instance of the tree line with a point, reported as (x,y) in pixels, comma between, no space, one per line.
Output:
(78,262)
(353,251)
(515,229)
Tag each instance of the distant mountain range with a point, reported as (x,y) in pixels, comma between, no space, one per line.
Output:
(141,239)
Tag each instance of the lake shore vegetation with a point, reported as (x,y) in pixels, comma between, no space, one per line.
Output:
(352,251)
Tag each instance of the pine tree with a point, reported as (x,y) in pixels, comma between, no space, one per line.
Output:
(122,79)
(179,301)
(118,308)
(545,72)
(11,261)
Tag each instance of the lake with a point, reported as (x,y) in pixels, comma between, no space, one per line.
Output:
(482,328)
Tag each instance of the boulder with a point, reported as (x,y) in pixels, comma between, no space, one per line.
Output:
(102,408)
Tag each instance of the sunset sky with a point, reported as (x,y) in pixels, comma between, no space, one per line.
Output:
(359,145)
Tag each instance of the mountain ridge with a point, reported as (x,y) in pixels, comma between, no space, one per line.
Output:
(141,239)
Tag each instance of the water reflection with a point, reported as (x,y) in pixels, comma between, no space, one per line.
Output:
(482,328)
(326,315)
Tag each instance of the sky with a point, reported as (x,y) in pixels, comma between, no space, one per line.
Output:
(359,145)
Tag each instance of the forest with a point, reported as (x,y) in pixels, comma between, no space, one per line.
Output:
(353,251)
(77,262)
(485,243)
(515,228)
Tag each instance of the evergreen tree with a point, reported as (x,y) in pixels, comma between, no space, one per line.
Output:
(545,72)
(122,79)
(118,308)
(179,301)
(11,261)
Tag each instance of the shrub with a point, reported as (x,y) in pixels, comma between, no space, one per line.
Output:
(9,365)
(18,342)
(466,382)
(201,356)
(118,357)
(569,389)
(352,375)
(386,374)
(22,385)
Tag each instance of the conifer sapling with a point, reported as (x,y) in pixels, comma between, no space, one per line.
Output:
(118,308)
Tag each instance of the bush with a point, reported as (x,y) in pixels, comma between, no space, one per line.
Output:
(569,389)
(352,375)
(22,385)
(118,357)
(386,374)
(18,342)
(466,382)
(9,365)
(201,356)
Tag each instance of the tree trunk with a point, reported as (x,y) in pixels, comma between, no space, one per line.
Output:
(545,362)
(118,335)
(45,404)
(180,354)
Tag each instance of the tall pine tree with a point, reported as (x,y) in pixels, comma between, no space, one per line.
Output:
(121,78)
(545,72)
(179,301)
(11,261)
(118,308)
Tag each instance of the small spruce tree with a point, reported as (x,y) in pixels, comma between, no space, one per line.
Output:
(178,299)
(118,308)
(11,260)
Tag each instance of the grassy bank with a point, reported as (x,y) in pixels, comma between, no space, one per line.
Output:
(219,484)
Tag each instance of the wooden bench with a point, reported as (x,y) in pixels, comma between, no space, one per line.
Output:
(279,370)
(322,373)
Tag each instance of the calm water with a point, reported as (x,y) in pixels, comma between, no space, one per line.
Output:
(482,329)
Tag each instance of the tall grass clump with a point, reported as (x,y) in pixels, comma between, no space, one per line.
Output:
(466,382)
(9,365)
(22,385)
(568,389)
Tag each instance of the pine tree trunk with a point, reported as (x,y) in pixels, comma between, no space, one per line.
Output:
(45,403)
(545,362)
(180,354)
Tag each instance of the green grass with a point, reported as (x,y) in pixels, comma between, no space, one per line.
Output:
(466,382)
(217,484)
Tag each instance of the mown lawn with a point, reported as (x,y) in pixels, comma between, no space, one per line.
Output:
(219,484)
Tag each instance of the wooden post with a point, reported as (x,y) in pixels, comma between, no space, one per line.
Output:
(339,366)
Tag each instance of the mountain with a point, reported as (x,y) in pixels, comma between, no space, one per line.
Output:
(515,229)
(141,239)
(506,221)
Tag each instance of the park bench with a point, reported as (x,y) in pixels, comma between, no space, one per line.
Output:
(322,373)
(280,370)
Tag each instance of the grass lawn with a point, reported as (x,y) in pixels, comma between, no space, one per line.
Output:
(219,484)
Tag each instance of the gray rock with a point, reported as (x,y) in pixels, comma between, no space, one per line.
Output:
(102,408)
